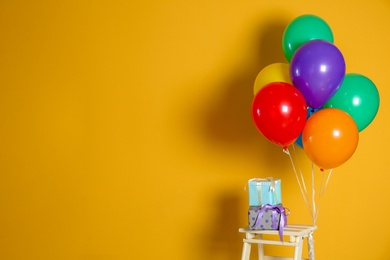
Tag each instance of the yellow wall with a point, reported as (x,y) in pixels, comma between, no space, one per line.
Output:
(125,129)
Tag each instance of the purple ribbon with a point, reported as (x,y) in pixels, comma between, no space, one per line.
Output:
(275,210)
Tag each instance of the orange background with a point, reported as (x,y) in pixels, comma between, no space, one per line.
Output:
(125,129)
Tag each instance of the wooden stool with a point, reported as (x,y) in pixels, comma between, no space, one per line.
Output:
(297,234)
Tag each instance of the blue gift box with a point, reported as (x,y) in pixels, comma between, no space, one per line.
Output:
(264,191)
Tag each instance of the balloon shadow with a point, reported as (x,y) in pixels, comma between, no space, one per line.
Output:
(227,120)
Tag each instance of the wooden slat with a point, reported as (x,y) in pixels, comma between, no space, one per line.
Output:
(269,242)
(289,230)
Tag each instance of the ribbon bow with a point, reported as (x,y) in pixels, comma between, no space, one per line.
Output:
(275,210)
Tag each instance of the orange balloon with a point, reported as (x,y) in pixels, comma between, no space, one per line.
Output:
(330,137)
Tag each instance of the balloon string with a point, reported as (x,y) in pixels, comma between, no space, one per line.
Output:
(327,182)
(322,190)
(313,195)
(313,204)
(303,191)
(310,204)
(302,177)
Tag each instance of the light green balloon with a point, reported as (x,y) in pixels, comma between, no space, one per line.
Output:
(359,97)
(302,29)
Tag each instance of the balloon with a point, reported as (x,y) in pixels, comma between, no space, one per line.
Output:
(310,112)
(330,137)
(317,69)
(359,97)
(302,29)
(279,112)
(276,72)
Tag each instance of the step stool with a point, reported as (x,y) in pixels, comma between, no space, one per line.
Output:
(297,234)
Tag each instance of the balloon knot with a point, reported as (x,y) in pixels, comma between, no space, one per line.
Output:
(322,169)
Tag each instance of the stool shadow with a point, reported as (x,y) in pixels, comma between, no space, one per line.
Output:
(221,240)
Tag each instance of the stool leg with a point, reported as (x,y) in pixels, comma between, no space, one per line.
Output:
(310,244)
(298,249)
(246,251)
(260,248)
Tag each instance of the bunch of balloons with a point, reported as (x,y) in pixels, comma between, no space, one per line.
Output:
(311,100)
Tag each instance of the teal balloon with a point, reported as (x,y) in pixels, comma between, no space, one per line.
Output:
(302,29)
(359,97)
(310,112)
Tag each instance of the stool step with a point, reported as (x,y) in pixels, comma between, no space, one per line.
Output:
(279,258)
(269,242)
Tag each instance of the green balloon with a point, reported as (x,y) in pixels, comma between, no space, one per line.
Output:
(302,29)
(359,97)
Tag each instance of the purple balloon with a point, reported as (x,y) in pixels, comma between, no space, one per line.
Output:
(317,70)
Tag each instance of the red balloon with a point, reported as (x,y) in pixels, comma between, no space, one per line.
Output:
(279,112)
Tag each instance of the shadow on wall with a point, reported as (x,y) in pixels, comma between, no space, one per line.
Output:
(228,123)
(221,240)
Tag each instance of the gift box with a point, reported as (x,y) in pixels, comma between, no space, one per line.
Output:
(264,191)
(267,217)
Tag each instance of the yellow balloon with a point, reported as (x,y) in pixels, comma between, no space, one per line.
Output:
(276,72)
